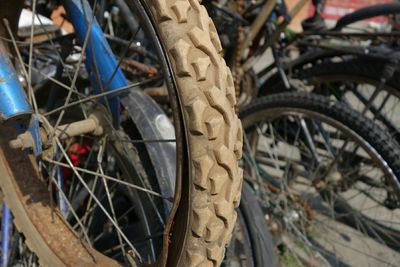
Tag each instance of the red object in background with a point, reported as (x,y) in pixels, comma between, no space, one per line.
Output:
(336,9)
(77,153)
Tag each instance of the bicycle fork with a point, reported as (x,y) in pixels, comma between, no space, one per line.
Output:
(13,101)
(13,107)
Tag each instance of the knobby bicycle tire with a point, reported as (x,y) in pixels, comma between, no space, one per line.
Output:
(214,137)
(385,149)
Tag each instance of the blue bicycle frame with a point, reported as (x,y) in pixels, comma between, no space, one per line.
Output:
(104,75)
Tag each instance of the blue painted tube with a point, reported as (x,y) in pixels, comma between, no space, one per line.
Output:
(62,203)
(13,101)
(6,234)
(98,52)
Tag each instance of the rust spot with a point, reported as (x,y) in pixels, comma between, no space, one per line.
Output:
(2,80)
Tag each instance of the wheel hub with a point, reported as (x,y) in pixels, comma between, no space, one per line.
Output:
(97,123)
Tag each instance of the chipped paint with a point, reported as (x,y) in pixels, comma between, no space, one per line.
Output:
(13,101)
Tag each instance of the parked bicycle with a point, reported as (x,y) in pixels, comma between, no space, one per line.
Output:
(327,178)
(81,196)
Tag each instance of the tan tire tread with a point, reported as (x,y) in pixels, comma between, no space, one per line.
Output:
(207,92)
(207,95)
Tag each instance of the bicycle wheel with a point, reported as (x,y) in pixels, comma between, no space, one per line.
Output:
(85,201)
(356,82)
(329,179)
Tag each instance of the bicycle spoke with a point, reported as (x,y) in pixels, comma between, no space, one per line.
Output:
(21,62)
(97,201)
(105,177)
(79,64)
(124,54)
(29,77)
(93,97)
(110,203)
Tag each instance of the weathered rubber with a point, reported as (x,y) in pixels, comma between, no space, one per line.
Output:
(206,90)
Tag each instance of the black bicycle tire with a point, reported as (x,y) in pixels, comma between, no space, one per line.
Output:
(262,242)
(358,69)
(352,69)
(380,140)
(363,67)
(366,13)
